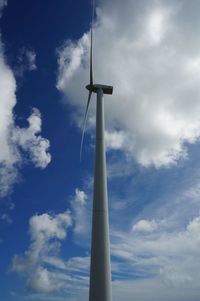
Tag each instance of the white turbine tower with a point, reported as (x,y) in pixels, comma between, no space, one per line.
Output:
(100,268)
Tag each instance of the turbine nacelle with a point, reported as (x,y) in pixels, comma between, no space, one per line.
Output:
(106,89)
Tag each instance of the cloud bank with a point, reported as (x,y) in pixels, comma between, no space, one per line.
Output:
(165,265)
(156,256)
(149,52)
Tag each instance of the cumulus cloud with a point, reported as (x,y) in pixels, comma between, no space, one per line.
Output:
(80,197)
(149,52)
(17,143)
(115,140)
(46,232)
(81,219)
(43,281)
(30,140)
(144,226)
(45,270)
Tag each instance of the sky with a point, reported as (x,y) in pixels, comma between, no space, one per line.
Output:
(150,52)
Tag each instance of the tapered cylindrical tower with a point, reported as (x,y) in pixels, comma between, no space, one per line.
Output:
(100,270)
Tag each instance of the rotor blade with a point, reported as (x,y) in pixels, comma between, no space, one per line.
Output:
(84,122)
(91,45)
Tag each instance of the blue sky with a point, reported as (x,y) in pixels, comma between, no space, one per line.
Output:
(149,52)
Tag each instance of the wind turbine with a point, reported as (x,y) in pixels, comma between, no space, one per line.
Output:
(100,267)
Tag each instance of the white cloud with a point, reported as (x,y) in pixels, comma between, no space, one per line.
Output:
(194,227)
(115,140)
(46,226)
(144,53)
(8,176)
(26,61)
(31,56)
(44,281)
(156,25)
(167,260)
(30,140)
(71,55)
(80,212)
(80,197)
(157,258)
(144,289)
(2,4)
(41,264)
(145,226)
(6,218)
(46,232)
(16,142)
